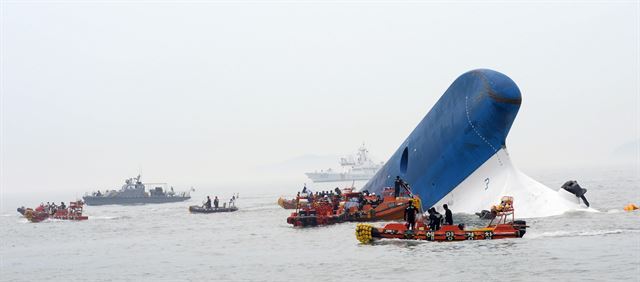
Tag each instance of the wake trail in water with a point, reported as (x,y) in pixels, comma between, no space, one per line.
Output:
(577,233)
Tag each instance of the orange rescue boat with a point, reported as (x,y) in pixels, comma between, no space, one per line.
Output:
(503,226)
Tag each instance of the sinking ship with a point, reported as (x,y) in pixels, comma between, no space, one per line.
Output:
(457,154)
(133,192)
(358,167)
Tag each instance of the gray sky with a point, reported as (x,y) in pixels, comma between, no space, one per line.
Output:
(200,93)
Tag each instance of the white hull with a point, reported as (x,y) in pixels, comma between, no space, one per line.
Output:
(498,177)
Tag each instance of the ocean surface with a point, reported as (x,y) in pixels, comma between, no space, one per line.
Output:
(165,242)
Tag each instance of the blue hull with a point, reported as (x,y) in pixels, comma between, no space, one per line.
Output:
(467,126)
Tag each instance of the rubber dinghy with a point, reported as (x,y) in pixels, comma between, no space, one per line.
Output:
(200,209)
(457,153)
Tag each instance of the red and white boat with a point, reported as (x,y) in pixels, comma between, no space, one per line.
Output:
(73,212)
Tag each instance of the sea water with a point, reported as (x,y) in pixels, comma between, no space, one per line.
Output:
(165,242)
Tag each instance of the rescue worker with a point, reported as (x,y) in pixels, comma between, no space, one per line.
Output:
(53,208)
(410,216)
(207,204)
(397,186)
(433,219)
(215,202)
(438,218)
(448,217)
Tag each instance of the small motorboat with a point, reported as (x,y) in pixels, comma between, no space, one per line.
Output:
(73,212)
(201,209)
(504,227)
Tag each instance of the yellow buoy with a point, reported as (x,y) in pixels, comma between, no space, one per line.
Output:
(363,233)
(630,207)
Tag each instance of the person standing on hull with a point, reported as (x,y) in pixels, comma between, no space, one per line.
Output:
(215,202)
(410,216)
(397,186)
(448,217)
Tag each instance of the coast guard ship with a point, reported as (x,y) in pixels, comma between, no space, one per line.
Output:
(133,192)
(359,167)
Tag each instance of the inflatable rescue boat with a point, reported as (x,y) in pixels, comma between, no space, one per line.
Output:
(502,227)
(200,209)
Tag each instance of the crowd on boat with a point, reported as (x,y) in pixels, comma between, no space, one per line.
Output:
(51,210)
(340,205)
(50,207)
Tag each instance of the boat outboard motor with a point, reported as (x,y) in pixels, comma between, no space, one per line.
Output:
(521,227)
(573,187)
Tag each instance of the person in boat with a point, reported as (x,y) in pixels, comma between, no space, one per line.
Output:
(62,206)
(410,216)
(98,194)
(338,192)
(53,208)
(207,204)
(430,218)
(448,216)
(434,219)
(216,202)
(439,219)
(304,189)
(397,186)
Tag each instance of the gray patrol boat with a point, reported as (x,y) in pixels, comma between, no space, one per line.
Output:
(133,193)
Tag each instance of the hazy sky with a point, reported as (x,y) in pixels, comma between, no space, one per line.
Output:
(203,92)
